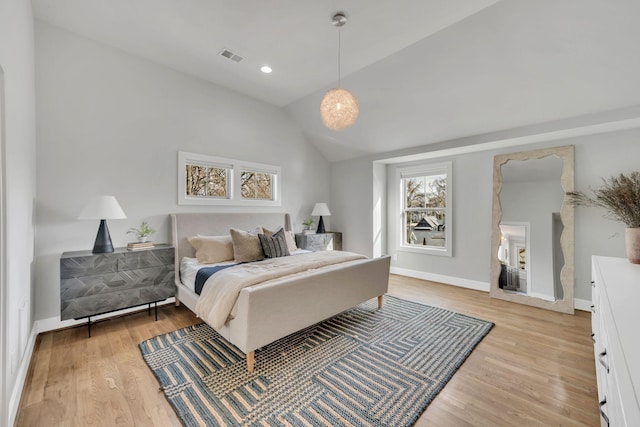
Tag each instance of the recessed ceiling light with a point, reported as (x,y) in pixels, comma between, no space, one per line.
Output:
(266,69)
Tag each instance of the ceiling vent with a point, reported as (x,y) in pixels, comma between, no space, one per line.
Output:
(230,55)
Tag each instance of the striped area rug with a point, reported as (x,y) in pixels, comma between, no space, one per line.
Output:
(364,367)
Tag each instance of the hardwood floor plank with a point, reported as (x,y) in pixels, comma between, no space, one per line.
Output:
(535,367)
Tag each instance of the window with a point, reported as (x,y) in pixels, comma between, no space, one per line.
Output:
(425,224)
(256,185)
(209,180)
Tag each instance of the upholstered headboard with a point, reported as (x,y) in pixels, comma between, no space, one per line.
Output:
(185,225)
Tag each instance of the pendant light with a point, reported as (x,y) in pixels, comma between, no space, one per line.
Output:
(339,108)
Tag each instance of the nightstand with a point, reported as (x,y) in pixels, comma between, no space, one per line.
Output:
(331,240)
(93,284)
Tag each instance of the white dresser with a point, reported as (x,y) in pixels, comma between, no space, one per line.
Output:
(616,337)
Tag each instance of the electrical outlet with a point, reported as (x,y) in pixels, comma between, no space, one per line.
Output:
(395,257)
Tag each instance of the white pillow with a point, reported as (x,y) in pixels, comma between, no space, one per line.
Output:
(291,240)
(212,249)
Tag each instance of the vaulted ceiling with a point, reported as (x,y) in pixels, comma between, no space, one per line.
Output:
(424,71)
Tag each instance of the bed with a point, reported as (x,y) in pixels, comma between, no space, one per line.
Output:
(266,312)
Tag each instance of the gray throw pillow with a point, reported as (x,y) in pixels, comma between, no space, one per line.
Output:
(274,246)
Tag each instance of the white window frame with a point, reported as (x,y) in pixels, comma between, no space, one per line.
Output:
(234,197)
(422,170)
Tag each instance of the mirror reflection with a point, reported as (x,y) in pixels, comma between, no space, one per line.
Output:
(531,198)
(529,253)
(512,254)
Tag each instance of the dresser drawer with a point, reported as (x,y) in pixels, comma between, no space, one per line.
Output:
(94,304)
(615,321)
(87,264)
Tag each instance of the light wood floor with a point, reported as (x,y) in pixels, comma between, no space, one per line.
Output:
(535,367)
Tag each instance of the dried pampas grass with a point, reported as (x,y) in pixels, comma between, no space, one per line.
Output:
(619,195)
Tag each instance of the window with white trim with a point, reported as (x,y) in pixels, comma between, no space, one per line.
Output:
(256,185)
(207,180)
(211,180)
(425,224)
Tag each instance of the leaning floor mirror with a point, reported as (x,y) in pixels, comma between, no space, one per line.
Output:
(532,250)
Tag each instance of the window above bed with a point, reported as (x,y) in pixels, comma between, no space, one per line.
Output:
(211,180)
(256,184)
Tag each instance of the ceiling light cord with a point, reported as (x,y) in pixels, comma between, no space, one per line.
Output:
(339,54)
(339,108)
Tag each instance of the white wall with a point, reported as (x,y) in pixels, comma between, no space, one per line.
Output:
(111,123)
(18,159)
(471,225)
(596,156)
(352,204)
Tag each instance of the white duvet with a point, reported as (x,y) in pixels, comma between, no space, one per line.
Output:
(221,290)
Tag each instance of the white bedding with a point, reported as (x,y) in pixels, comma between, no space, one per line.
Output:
(189,267)
(221,290)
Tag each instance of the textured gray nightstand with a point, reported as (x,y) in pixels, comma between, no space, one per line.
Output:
(92,284)
(331,240)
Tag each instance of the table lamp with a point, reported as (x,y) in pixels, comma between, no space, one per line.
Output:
(320,209)
(102,208)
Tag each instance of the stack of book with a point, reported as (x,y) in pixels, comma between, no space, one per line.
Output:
(136,246)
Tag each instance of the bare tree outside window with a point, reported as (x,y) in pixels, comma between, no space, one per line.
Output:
(425,210)
(256,185)
(212,180)
(207,181)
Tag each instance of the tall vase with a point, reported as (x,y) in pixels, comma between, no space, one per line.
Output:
(632,240)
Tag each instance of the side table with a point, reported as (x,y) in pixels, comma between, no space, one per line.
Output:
(331,240)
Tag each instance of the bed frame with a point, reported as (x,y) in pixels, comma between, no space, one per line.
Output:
(269,312)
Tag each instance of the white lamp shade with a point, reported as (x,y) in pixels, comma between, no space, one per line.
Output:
(102,207)
(320,209)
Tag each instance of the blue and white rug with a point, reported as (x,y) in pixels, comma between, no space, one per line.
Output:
(364,367)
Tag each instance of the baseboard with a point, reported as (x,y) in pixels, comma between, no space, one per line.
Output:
(54,323)
(46,325)
(449,280)
(21,377)
(580,304)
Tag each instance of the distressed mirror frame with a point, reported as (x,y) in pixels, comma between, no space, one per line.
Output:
(567,274)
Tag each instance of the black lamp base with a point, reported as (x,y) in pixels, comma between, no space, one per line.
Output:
(103,243)
(320,229)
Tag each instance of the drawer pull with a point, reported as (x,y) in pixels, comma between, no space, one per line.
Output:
(602,413)
(593,337)
(601,359)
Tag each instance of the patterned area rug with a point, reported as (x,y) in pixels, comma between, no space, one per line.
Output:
(364,367)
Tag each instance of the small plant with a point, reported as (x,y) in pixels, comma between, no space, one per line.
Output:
(619,195)
(142,232)
(308,223)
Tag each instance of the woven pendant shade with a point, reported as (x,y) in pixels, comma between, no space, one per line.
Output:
(339,109)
